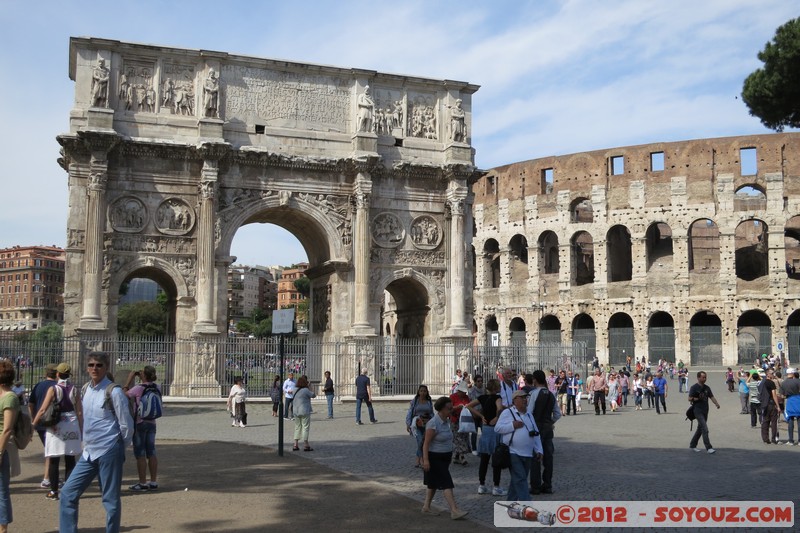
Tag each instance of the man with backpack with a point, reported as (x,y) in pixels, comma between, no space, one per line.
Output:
(546,412)
(147,397)
(107,431)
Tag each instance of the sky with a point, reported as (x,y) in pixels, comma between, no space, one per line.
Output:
(556,77)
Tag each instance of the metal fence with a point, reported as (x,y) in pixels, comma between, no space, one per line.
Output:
(751,342)
(706,345)
(198,367)
(621,344)
(793,343)
(661,341)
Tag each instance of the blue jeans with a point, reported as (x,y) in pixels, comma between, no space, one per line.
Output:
(369,406)
(791,428)
(108,468)
(420,436)
(6,516)
(662,401)
(520,469)
(329,397)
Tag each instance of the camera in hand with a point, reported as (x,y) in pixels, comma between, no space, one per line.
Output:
(533,433)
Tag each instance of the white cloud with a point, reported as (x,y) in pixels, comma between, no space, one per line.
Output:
(557,77)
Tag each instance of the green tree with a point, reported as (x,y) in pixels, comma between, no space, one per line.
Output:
(263,328)
(51,333)
(303,286)
(142,318)
(772,93)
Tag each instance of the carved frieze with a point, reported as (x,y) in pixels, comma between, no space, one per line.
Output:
(174,217)
(286,99)
(150,244)
(75,238)
(426,233)
(322,308)
(128,215)
(423,120)
(407,257)
(177,90)
(136,86)
(388,115)
(387,230)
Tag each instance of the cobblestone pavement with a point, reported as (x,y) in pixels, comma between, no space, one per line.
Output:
(627,455)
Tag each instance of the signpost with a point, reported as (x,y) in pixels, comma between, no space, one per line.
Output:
(282,322)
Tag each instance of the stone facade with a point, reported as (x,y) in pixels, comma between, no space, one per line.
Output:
(171,151)
(685,250)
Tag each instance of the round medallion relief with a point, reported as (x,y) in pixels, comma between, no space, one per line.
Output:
(174,217)
(127,215)
(388,230)
(425,232)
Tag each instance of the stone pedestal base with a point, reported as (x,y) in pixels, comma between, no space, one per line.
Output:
(100,118)
(365,142)
(210,128)
(205,328)
(92,324)
(458,153)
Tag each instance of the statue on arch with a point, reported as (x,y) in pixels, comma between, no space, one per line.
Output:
(100,76)
(366,107)
(211,95)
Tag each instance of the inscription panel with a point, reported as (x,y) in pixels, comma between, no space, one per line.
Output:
(286,99)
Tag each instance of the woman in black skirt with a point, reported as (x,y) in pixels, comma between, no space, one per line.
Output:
(437,452)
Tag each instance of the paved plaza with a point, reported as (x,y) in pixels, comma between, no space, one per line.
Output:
(628,455)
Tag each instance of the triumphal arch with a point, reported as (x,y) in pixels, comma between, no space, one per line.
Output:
(171,151)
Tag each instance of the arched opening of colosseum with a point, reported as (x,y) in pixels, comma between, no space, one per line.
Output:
(491,327)
(517,331)
(491,259)
(704,247)
(548,254)
(749,198)
(791,245)
(581,211)
(753,336)
(474,261)
(658,241)
(410,300)
(549,330)
(618,252)
(705,339)
(751,238)
(621,340)
(661,337)
(518,258)
(793,336)
(582,267)
(583,332)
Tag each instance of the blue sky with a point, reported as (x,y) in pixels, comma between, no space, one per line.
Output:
(556,77)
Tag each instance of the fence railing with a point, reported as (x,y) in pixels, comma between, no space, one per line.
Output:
(201,367)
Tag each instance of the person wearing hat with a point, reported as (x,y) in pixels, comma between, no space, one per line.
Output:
(460,398)
(63,439)
(790,389)
(520,433)
(35,401)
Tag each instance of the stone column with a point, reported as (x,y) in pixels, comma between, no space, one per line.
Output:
(727,263)
(205,321)
(564,271)
(99,144)
(680,267)
(456,194)
(361,251)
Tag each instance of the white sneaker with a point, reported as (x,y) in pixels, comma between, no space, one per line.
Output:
(475,452)
(483,489)
(497,491)
(241,425)
(233,424)
(698,450)
(712,450)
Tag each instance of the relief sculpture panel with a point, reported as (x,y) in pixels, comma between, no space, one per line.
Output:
(177,89)
(286,99)
(426,234)
(128,215)
(136,86)
(423,119)
(387,230)
(174,217)
(388,114)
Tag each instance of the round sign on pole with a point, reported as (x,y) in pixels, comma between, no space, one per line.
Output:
(779,346)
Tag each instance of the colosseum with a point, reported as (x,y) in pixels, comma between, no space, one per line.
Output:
(684,250)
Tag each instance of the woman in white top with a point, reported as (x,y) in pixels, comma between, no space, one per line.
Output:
(236,400)
(638,391)
(64,438)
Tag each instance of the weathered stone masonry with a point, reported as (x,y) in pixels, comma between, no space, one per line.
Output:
(686,250)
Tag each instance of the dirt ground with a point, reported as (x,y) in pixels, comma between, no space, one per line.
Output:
(210,487)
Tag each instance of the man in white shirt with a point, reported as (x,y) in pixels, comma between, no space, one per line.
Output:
(289,387)
(519,431)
